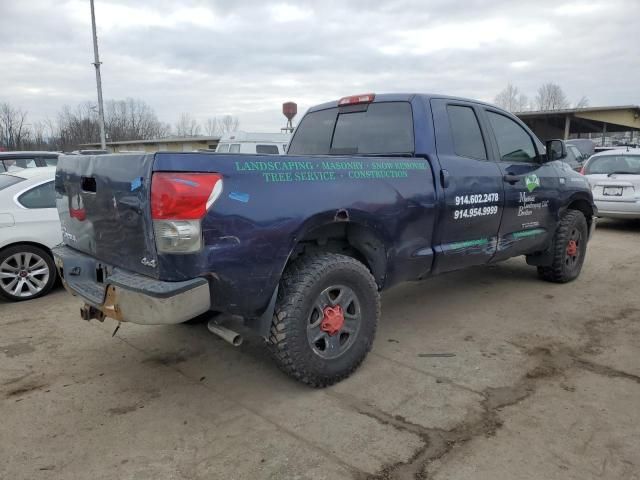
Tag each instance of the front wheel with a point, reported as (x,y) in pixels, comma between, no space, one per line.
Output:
(325,318)
(569,249)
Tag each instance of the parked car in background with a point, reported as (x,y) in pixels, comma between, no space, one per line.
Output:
(584,145)
(29,228)
(88,152)
(14,161)
(614,176)
(260,143)
(574,157)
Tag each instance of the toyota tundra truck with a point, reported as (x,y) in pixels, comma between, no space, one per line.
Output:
(375,190)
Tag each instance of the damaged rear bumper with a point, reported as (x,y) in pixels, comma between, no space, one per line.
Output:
(126,296)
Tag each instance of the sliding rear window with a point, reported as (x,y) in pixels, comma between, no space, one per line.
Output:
(8,180)
(378,128)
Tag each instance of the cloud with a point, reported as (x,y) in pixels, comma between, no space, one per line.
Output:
(248,57)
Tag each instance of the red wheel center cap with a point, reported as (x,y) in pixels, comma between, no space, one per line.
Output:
(572,248)
(333,320)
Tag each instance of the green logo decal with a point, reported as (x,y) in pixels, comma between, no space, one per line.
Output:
(532,181)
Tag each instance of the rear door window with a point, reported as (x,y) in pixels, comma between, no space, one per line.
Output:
(465,132)
(378,128)
(267,149)
(42,196)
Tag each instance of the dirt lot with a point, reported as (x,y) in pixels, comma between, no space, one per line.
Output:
(483,374)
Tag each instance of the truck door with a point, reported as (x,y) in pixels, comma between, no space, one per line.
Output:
(471,184)
(531,188)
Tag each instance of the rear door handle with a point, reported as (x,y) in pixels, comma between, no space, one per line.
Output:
(511,178)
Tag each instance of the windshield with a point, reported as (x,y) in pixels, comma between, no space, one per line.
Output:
(614,164)
(379,128)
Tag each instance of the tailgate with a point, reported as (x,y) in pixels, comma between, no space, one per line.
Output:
(103,203)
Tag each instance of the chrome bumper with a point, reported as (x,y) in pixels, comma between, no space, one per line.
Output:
(127,296)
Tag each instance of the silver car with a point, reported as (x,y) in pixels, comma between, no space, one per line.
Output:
(614,176)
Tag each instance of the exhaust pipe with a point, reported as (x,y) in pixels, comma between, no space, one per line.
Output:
(234,338)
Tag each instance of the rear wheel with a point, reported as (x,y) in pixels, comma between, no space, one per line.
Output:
(570,248)
(26,272)
(325,319)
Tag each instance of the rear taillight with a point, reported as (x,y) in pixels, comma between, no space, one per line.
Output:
(179,201)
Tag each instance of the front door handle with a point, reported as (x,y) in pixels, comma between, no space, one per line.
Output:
(511,178)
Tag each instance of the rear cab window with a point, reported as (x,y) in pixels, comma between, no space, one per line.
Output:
(383,128)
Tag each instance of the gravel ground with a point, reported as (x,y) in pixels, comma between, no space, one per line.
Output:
(537,381)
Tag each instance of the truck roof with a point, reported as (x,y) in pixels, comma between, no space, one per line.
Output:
(399,97)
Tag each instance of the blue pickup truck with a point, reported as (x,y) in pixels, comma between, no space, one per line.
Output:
(375,190)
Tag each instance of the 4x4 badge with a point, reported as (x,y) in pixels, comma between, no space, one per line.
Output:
(532,182)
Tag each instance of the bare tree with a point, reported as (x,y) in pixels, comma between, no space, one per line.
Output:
(583,102)
(211,126)
(13,131)
(523,103)
(508,98)
(187,126)
(78,126)
(551,97)
(228,124)
(132,119)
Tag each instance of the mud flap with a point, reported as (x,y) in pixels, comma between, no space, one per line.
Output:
(262,324)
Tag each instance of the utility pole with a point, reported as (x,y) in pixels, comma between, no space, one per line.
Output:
(96,63)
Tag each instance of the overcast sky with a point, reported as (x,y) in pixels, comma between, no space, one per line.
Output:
(247,57)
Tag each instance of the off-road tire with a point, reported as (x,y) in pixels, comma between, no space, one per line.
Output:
(40,252)
(562,270)
(300,286)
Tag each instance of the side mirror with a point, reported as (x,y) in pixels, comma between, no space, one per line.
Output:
(556,150)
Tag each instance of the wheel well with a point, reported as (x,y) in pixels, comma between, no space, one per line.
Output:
(33,244)
(583,206)
(349,239)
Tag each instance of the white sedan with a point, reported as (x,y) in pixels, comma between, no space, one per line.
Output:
(29,228)
(614,176)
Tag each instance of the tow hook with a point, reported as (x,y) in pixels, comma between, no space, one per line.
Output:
(87,312)
(228,335)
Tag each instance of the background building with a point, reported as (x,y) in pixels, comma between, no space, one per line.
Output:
(589,122)
(169,144)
